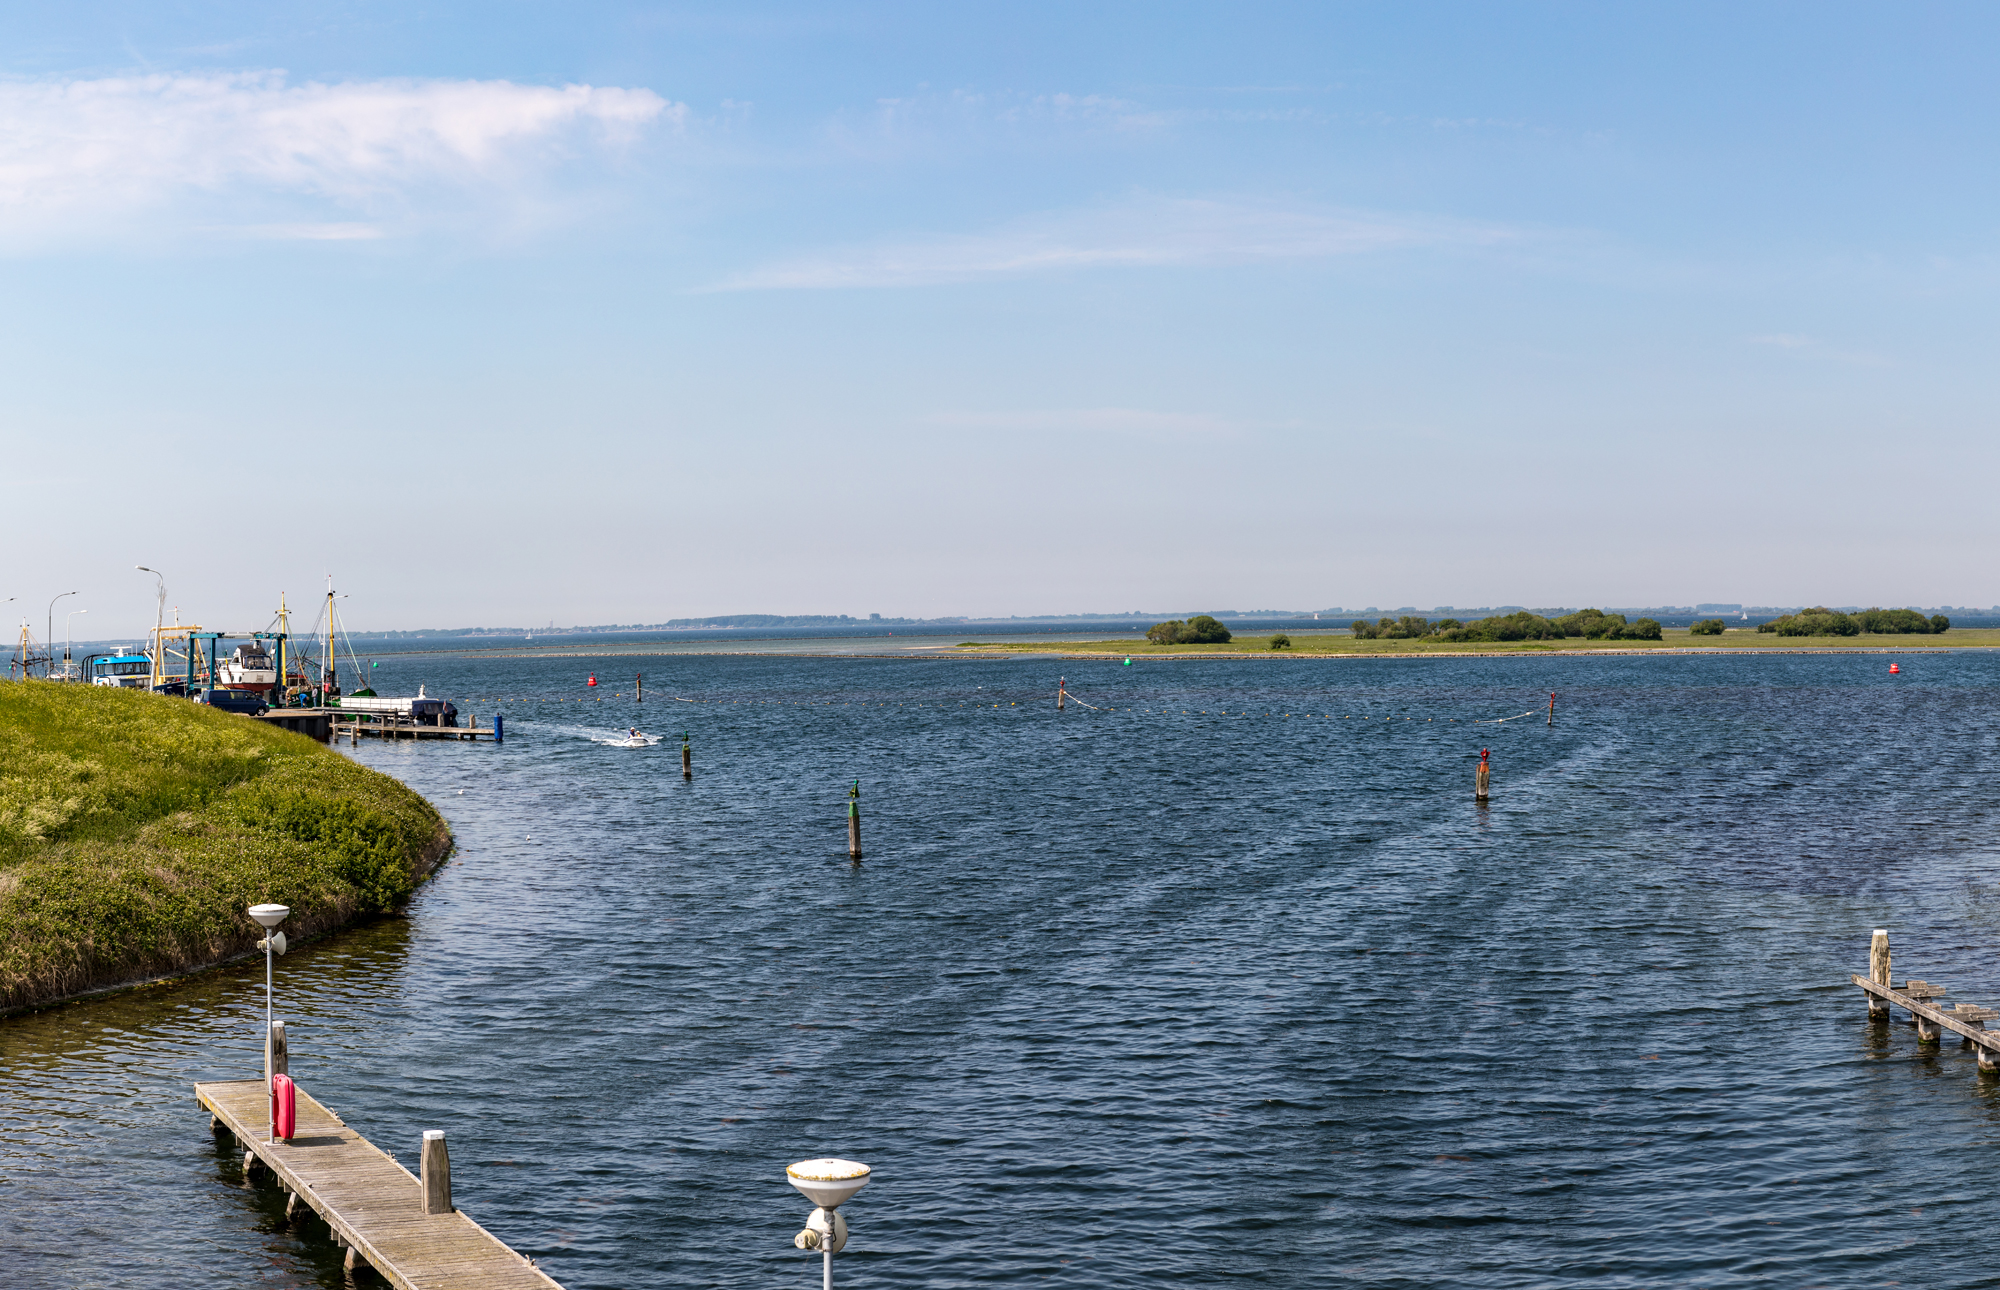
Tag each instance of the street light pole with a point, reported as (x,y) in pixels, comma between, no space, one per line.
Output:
(66,624)
(49,668)
(159,621)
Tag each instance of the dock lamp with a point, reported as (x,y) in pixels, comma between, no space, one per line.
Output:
(826,1183)
(268,917)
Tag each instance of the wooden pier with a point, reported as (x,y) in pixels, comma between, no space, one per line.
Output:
(313,723)
(1916,998)
(374,1206)
(354,725)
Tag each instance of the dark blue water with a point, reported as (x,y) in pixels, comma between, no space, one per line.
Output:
(1207,987)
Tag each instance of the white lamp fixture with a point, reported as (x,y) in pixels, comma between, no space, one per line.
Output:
(826,1183)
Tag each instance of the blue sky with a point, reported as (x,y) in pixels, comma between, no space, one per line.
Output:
(519,313)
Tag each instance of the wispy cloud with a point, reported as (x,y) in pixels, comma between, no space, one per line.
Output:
(1119,421)
(1161,232)
(88,155)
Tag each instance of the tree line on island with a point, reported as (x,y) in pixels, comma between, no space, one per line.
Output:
(1591,624)
(1821,621)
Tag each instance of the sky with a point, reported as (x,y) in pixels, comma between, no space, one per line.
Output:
(513,313)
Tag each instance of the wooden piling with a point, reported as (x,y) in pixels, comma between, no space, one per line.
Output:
(1060,695)
(1482,776)
(277,1058)
(687,759)
(638,687)
(1552,707)
(436,1173)
(854,821)
(1878,972)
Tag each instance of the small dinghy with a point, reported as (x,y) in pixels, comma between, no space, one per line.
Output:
(632,740)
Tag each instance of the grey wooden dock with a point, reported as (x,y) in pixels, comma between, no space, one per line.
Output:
(374,1206)
(1917,997)
(354,725)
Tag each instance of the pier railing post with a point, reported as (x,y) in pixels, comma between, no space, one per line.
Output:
(1878,972)
(436,1173)
(277,1058)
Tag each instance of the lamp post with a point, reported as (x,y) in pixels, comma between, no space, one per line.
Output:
(50,646)
(826,1183)
(269,916)
(159,621)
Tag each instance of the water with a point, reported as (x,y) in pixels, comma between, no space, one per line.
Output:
(1184,991)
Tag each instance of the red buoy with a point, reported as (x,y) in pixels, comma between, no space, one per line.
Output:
(593,678)
(284,1108)
(1895,667)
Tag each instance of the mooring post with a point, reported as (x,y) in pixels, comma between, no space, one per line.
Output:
(687,758)
(854,821)
(499,728)
(436,1173)
(638,687)
(1552,707)
(1060,696)
(277,1060)
(1480,777)
(1878,972)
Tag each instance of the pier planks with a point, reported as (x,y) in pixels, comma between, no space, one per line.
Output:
(371,1202)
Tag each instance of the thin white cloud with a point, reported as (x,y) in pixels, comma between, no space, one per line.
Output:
(92,154)
(1161,232)
(1123,421)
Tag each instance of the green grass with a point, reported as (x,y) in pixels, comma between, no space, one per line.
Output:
(135,829)
(1674,639)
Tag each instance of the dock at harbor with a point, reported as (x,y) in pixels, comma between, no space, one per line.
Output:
(374,1207)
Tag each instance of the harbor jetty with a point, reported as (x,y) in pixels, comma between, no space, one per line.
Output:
(377,1210)
(1918,998)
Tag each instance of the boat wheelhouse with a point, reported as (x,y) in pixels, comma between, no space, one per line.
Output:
(250,667)
(125,671)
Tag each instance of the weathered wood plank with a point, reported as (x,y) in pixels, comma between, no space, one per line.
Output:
(1978,1034)
(371,1202)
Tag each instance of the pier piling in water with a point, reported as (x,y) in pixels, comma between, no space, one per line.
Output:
(277,1058)
(437,1173)
(1481,778)
(1060,696)
(687,759)
(1878,972)
(854,822)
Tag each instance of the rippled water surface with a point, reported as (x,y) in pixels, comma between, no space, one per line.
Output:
(1229,981)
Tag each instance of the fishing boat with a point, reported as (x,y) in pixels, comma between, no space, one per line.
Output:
(249,668)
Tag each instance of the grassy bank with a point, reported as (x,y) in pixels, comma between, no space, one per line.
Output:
(135,829)
(1672,639)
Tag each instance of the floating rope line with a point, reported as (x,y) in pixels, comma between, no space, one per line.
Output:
(1495,721)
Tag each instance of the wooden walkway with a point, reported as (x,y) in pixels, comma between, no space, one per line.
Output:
(374,1205)
(352,728)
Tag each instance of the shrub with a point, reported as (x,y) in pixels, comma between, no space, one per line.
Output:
(1281,641)
(1885,622)
(1202,629)
(1707,627)
(1817,621)
(1939,623)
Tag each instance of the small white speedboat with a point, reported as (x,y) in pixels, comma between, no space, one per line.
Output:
(633,740)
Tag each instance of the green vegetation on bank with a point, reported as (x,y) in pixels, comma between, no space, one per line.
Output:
(1670,639)
(135,829)
(1589,624)
(1821,621)
(1202,629)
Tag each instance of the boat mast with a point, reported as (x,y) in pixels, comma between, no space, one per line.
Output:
(329,672)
